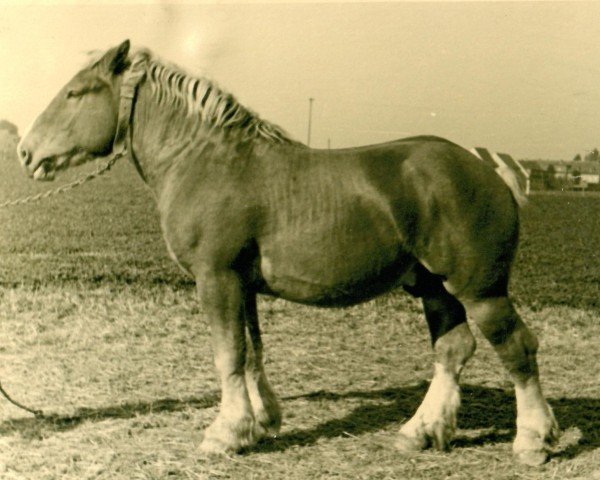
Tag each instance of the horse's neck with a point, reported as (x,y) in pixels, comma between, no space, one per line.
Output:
(162,136)
(166,138)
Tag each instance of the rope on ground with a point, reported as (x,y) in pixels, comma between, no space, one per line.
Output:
(37,413)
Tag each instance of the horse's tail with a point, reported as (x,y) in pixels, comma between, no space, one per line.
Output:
(506,173)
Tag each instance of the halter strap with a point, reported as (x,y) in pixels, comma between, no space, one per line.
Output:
(134,75)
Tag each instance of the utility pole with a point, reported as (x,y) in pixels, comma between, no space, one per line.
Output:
(310,104)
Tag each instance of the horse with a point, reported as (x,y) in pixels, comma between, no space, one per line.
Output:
(247,210)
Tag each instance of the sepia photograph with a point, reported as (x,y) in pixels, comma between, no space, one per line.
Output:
(299,240)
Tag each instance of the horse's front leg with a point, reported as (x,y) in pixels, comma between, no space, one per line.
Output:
(264,401)
(222,302)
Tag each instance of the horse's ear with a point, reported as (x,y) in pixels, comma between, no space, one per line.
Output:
(115,60)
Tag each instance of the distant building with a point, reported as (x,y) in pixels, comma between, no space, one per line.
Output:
(588,172)
(569,175)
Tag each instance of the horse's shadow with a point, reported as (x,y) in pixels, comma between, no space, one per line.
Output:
(487,415)
(489,411)
(41,426)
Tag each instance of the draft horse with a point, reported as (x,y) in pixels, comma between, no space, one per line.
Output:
(247,210)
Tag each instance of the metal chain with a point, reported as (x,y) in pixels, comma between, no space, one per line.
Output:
(101,170)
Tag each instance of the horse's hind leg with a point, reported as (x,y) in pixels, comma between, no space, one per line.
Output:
(434,422)
(264,401)
(516,346)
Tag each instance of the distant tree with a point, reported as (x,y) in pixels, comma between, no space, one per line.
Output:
(9,127)
(576,174)
(577,158)
(593,156)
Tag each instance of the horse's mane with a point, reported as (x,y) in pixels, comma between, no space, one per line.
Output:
(203,99)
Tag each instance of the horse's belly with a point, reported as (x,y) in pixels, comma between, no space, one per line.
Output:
(334,269)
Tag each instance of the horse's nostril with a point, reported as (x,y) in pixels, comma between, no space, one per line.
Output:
(25,156)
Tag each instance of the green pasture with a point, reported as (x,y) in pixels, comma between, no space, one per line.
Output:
(100,330)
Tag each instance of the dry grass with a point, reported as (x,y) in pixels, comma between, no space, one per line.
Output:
(127,385)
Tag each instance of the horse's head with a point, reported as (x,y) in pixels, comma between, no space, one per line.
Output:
(81,121)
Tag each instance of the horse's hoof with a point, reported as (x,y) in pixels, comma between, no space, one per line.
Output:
(408,444)
(554,434)
(532,458)
(213,446)
(262,431)
(223,437)
(267,427)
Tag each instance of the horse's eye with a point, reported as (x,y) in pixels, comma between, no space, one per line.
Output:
(74,93)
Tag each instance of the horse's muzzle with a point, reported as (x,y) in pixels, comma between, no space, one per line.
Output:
(38,169)
(44,171)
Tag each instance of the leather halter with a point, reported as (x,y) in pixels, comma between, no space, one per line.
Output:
(133,76)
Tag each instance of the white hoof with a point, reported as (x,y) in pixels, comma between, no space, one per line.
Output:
(418,435)
(536,433)
(434,422)
(406,444)
(532,458)
(268,423)
(224,436)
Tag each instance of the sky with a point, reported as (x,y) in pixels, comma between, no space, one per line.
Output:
(515,77)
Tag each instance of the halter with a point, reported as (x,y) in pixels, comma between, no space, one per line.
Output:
(134,75)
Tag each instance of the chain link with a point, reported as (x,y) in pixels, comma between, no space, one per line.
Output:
(101,170)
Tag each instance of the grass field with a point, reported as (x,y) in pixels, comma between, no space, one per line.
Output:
(99,329)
